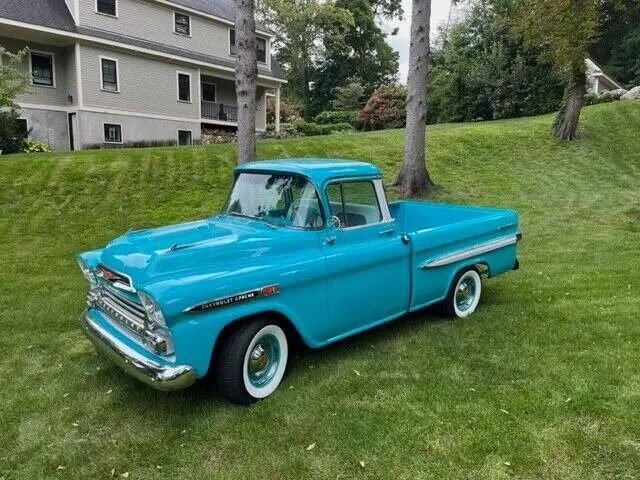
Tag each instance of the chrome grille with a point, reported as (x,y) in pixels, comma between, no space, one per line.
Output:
(130,315)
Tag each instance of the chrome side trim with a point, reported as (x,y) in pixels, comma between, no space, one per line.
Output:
(159,376)
(470,252)
(265,291)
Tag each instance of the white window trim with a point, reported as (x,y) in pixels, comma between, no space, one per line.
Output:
(100,58)
(104,137)
(106,14)
(215,89)
(190,133)
(178,73)
(190,24)
(267,46)
(53,67)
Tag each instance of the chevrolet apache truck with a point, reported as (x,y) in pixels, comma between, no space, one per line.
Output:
(307,248)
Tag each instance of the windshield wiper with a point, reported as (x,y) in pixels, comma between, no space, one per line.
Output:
(241,215)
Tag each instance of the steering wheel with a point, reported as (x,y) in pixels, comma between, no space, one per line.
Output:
(313,214)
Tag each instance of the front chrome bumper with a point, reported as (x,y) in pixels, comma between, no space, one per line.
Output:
(159,376)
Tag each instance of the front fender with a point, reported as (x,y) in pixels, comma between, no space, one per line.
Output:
(195,333)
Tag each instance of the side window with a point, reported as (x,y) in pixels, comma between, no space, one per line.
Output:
(107,7)
(354,204)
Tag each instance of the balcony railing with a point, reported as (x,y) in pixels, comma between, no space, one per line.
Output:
(219,111)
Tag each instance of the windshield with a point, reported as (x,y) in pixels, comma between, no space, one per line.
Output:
(287,200)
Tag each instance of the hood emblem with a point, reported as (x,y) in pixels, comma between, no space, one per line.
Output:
(265,291)
(118,280)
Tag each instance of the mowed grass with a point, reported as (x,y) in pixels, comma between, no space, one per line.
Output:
(542,382)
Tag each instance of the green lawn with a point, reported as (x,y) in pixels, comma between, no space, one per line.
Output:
(542,382)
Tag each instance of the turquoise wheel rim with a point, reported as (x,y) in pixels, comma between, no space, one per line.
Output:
(465,294)
(263,361)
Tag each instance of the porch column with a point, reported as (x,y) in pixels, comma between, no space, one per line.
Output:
(278,110)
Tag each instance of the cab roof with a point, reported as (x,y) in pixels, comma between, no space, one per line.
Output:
(319,170)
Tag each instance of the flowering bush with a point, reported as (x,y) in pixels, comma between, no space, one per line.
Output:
(385,109)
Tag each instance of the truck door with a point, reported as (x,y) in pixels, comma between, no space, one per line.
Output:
(367,260)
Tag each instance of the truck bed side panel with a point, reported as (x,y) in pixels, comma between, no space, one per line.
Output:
(445,239)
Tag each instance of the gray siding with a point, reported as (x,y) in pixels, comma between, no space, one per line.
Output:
(207,36)
(49,96)
(91,128)
(147,85)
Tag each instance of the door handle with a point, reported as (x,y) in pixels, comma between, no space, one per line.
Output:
(387,231)
(330,240)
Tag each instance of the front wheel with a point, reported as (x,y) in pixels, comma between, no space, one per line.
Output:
(464,294)
(252,362)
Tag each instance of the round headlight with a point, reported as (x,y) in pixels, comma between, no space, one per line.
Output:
(153,311)
(86,271)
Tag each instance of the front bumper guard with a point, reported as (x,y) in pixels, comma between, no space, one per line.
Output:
(161,377)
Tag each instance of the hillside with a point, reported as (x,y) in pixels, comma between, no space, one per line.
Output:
(543,381)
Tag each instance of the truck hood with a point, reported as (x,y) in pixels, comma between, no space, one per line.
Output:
(149,254)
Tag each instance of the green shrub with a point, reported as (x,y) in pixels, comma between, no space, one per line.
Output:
(334,117)
(310,129)
(34,146)
(12,132)
(385,109)
(594,99)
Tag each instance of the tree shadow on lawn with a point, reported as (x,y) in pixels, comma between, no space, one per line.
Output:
(204,395)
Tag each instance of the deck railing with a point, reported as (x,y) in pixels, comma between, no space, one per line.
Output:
(219,111)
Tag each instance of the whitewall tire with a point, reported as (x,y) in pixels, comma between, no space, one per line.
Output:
(464,294)
(251,361)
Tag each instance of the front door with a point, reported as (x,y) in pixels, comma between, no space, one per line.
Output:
(367,261)
(73,131)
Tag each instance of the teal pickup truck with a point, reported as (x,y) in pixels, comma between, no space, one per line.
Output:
(305,248)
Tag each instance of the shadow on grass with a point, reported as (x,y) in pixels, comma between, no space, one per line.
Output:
(203,394)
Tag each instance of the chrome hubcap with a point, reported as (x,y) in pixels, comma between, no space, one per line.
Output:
(263,360)
(465,294)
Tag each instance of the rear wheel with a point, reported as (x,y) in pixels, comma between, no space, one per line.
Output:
(252,362)
(464,294)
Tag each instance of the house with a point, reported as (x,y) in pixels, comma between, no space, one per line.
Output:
(120,71)
(597,80)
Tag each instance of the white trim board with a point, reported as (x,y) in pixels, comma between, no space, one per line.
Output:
(79,97)
(124,46)
(125,113)
(108,111)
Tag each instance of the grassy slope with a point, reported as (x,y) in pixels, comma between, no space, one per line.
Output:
(543,381)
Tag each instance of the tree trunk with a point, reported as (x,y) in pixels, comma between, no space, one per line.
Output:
(413,177)
(246,78)
(566,127)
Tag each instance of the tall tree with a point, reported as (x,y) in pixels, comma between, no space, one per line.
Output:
(563,30)
(413,177)
(480,70)
(361,50)
(299,25)
(13,79)
(246,79)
